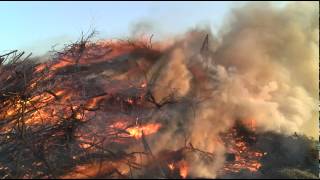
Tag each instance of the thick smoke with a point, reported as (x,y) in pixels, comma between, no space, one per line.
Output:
(263,66)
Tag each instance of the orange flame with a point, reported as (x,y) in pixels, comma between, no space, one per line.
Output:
(143,85)
(183,167)
(250,123)
(136,131)
(130,101)
(59,64)
(171,166)
(40,67)
(148,129)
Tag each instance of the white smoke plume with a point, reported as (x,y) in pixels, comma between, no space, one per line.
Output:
(262,66)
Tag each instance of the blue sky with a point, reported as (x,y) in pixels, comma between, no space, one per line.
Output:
(36,26)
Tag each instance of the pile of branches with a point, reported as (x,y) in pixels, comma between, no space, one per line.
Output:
(42,129)
(51,147)
(30,151)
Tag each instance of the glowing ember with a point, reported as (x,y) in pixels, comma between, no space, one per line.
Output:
(10,112)
(84,145)
(143,85)
(245,157)
(94,102)
(130,101)
(119,125)
(171,166)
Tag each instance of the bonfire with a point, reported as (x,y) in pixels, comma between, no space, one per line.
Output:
(111,109)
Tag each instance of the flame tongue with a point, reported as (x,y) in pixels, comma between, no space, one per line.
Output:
(183,169)
(147,129)
(137,130)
